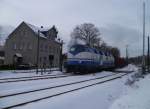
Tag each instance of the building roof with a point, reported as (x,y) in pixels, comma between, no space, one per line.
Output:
(36,29)
(42,32)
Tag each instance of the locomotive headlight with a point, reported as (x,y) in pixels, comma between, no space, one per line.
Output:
(80,61)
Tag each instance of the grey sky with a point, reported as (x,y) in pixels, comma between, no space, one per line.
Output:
(120,21)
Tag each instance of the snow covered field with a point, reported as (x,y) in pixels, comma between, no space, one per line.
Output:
(116,94)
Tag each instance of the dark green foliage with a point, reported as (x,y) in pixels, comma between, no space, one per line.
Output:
(7,67)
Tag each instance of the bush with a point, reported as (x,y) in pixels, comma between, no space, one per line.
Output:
(7,67)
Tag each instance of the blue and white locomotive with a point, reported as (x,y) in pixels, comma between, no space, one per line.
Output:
(84,59)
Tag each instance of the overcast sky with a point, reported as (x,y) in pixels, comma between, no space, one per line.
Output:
(119,21)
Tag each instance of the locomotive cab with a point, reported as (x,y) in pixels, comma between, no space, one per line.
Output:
(84,59)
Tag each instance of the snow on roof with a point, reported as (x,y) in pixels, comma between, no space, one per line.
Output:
(18,55)
(2,58)
(58,40)
(36,29)
(45,29)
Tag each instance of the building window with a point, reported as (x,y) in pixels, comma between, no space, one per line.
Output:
(30,46)
(58,51)
(23,45)
(15,46)
(40,59)
(41,47)
(46,48)
(49,49)
(24,33)
(45,59)
(20,46)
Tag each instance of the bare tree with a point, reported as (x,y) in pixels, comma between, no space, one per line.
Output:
(115,51)
(103,46)
(88,33)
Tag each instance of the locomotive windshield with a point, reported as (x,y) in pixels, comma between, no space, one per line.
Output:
(72,49)
(77,49)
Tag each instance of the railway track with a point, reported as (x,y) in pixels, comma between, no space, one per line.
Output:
(125,71)
(2,96)
(70,87)
(31,78)
(33,71)
(23,77)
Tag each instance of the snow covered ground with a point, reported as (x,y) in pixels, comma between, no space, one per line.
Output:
(136,96)
(117,94)
(130,67)
(22,73)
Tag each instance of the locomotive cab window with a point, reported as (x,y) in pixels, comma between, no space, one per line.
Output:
(77,49)
(72,49)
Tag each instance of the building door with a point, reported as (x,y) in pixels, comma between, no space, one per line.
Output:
(51,60)
(17,59)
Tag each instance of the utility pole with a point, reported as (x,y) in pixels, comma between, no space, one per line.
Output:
(37,58)
(61,58)
(148,61)
(143,58)
(127,54)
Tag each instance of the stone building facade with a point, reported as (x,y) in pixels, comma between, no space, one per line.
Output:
(22,45)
